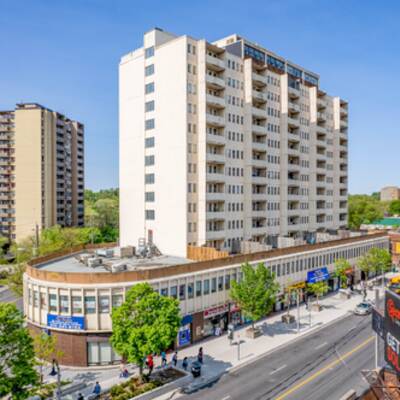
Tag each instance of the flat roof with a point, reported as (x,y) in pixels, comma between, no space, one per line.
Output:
(72,263)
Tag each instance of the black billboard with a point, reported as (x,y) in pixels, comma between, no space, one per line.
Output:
(392,330)
(378,324)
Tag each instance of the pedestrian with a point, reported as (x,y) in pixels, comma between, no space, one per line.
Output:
(200,356)
(175,358)
(80,396)
(97,389)
(163,359)
(150,363)
(185,363)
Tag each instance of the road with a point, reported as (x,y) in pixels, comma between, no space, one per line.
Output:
(324,365)
(7,296)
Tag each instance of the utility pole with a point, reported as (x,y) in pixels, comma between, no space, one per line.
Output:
(37,238)
(298,310)
(238,347)
(376,334)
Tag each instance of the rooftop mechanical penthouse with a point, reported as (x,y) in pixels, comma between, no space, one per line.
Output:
(226,142)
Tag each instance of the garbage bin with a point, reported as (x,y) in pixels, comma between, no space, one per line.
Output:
(196,369)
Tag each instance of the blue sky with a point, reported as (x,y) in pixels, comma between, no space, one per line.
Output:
(65,54)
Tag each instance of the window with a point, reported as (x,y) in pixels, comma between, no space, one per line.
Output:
(227,282)
(182,292)
(149,178)
(52,302)
(36,298)
(164,292)
(149,160)
(90,305)
(101,353)
(174,292)
(149,88)
(149,142)
(220,283)
(104,304)
(207,286)
(198,288)
(149,124)
(149,106)
(149,214)
(149,196)
(76,305)
(117,300)
(190,290)
(213,285)
(149,52)
(149,70)
(43,302)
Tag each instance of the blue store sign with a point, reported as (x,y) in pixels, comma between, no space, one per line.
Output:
(318,275)
(184,336)
(65,322)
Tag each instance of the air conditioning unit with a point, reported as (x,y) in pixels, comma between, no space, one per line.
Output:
(83,258)
(94,262)
(118,267)
(107,253)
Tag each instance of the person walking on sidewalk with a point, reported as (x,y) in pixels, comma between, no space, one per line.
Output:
(163,359)
(80,397)
(175,358)
(200,356)
(150,363)
(97,389)
(185,363)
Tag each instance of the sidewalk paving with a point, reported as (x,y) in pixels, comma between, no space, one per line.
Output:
(219,355)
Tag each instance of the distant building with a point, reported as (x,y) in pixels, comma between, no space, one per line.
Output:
(390,193)
(41,170)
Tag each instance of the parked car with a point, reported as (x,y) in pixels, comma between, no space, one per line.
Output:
(363,308)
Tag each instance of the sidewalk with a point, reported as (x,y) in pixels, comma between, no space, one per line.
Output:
(220,356)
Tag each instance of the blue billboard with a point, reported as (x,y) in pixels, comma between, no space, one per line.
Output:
(65,322)
(318,275)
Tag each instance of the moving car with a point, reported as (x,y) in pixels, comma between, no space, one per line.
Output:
(363,308)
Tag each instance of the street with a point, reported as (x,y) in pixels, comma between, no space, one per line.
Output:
(324,365)
(7,296)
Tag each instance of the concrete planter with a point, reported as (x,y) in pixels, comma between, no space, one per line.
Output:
(288,318)
(344,294)
(316,307)
(253,333)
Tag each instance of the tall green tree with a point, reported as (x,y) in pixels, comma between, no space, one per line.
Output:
(144,324)
(18,376)
(318,288)
(364,209)
(376,260)
(341,266)
(394,207)
(256,293)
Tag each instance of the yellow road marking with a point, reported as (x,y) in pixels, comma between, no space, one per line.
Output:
(321,371)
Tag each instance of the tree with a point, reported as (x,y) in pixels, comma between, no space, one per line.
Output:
(364,209)
(318,288)
(15,278)
(18,376)
(376,260)
(255,294)
(394,207)
(45,350)
(341,266)
(144,324)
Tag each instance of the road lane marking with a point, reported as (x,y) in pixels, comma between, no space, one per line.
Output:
(320,346)
(278,369)
(226,397)
(324,369)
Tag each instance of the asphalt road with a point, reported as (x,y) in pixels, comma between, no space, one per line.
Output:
(324,365)
(7,296)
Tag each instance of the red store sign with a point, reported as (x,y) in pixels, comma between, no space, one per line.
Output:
(212,312)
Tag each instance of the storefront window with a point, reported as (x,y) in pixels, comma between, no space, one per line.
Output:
(234,276)
(43,303)
(190,290)
(198,288)
(35,298)
(174,291)
(220,283)
(52,302)
(227,282)
(117,300)
(76,305)
(64,304)
(182,292)
(101,353)
(104,304)
(90,305)
(164,292)
(29,296)
(213,285)
(206,286)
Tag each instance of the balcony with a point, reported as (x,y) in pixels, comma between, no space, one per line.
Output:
(259,146)
(215,63)
(293,122)
(343,123)
(321,129)
(218,140)
(215,158)
(321,104)
(215,82)
(259,96)
(218,215)
(215,120)
(293,93)
(259,129)
(215,101)
(215,196)
(216,234)
(321,117)
(293,108)
(260,113)
(259,80)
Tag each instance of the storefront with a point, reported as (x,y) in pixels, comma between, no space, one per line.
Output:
(215,320)
(297,289)
(322,274)
(235,315)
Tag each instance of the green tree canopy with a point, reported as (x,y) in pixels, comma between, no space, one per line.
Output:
(375,260)
(255,294)
(364,209)
(318,288)
(341,266)
(144,324)
(394,207)
(17,358)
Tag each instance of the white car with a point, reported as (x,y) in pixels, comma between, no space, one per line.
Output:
(363,308)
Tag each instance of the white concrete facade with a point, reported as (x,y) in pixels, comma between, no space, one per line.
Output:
(226,142)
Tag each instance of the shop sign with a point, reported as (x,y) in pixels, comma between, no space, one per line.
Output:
(187,319)
(65,322)
(392,351)
(212,312)
(234,308)
(318,275)
(349,271)
(378,323)
(392,313)
(296,286)
(184,335)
